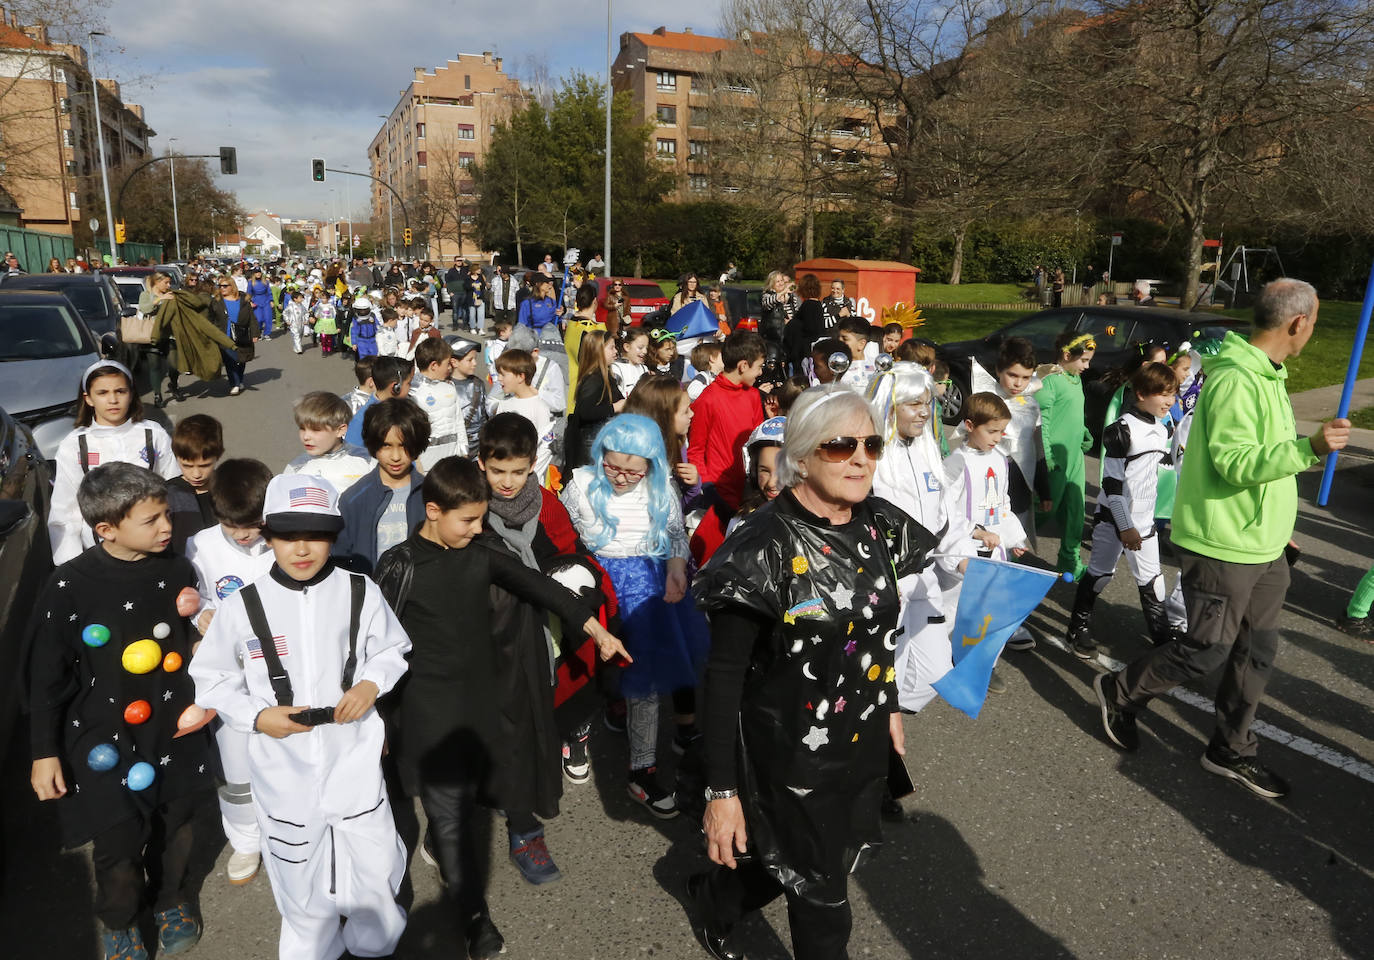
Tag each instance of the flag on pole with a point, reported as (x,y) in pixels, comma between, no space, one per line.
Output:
(996,598)
(695,319)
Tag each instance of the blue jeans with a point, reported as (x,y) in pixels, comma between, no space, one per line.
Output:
(477,316)
(233,367)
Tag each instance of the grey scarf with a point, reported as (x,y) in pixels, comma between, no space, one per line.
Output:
(515,521)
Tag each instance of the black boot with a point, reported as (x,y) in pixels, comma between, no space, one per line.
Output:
(1080,621)
(1156,618)
(715,936)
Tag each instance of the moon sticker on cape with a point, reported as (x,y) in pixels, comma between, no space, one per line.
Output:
(864,551)
(806,671)
(890,640)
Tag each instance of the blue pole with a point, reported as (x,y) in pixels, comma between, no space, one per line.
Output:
(1352,374)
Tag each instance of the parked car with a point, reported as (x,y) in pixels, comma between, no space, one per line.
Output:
(94,294)
(645,297)
(45,346)
(1114,329)
(25,556)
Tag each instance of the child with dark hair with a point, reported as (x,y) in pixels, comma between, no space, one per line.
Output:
(384,507)
(707,362)
(276,656)
(437,395)
(1133,447)
(107,693)
(109,428)
(439,581)
(472,393)
(197,443)
(390,378)
(892,338)
(821,352)
(226,557)
(515,371)
(359,395)
(1066,439)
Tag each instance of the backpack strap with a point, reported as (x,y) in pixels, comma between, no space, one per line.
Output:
(276,673)
(84,453)
(356,589)
(148,447)
(541,374)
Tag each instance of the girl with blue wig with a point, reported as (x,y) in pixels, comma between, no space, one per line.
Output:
(628,513)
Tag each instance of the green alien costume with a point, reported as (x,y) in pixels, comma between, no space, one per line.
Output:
(1066,439)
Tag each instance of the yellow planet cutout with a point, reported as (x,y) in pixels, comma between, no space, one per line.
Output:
(873,672)
(142,656)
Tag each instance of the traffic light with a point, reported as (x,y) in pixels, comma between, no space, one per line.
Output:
(317,170)
(119,231)
(228,160)
(407,235)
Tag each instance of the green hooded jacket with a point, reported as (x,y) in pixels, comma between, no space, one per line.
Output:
(1238,491)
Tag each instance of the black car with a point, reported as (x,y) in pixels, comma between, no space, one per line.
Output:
(94,294)
(25,556)
(1114,329)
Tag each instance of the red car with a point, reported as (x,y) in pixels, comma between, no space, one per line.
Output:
(645,296)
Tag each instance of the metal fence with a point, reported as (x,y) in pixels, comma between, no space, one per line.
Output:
(133,252)
(35,249)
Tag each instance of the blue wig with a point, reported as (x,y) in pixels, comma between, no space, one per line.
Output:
(633,435)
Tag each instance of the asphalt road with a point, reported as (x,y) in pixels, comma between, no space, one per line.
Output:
(1029,837)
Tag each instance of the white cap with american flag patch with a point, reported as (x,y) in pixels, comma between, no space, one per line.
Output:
(298,503)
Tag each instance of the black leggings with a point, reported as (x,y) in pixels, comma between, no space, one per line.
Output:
(819,932)
(144,855)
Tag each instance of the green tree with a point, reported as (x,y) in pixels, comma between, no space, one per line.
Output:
(293,240)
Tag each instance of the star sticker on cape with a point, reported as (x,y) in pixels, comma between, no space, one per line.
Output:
(162,584)
(166,695)
(843,597)
(818,737)
(72,618)
(76,723)
(164,761)
(128,605)
(61,584)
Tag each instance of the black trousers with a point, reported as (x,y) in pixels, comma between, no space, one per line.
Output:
(1233,619)
(459,829)
(818,932)
(144,855)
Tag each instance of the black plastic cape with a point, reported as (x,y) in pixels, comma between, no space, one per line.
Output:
(813,721)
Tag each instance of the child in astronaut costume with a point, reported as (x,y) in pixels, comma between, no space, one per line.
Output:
(910,475)
(1133,448)
(329,843)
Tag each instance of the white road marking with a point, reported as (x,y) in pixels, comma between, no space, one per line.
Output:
(1317,751)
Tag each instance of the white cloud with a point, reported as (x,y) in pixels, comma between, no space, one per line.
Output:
(288,80)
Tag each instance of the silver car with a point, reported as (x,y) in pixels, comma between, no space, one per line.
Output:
(45,346)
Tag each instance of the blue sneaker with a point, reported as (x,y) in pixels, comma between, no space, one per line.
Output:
(531,855)
(178,930)
(123,944)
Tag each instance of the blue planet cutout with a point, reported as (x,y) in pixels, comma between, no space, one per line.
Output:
(102,757)
(140,776)
(95,635)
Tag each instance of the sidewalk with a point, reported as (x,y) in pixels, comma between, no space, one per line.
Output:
(1311,407)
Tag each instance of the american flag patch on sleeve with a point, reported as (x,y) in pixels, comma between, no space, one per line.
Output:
(93,458)
(255,647)
(309,497)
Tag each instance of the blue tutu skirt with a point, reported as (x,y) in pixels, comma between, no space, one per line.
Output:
(668,641)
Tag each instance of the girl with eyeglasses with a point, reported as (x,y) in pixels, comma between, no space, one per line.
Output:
(627,512)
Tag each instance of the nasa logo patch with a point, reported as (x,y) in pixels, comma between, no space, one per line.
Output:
(227,586)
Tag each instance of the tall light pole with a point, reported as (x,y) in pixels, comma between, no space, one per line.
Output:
(390,223)
(348,212)
(606,239)
(100,144)
(176,220)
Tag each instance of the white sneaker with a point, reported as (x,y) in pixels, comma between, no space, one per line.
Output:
(235,391)
(243,867)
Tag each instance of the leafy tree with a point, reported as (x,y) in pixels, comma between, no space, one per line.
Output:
(293,240)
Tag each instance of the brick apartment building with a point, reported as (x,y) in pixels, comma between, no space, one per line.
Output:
(441,125)
(49,158)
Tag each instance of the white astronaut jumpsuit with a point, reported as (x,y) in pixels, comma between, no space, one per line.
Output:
(329,843)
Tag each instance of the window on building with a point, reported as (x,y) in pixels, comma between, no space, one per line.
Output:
(421,159)
(71,168)
(71,201)
(666,149)
(65,105)
(420,130)
(68,140)
(701,117)
(667,80)
(698,182)
(491,129)
(697,149)
(61,76)
(667,115)
(467,81)
(699,84)
(466,187)
(466,160)
(466,131)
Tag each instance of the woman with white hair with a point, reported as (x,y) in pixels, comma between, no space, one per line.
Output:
(801,694)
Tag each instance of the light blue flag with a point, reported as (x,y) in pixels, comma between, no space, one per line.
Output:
(996,599)
(695,319)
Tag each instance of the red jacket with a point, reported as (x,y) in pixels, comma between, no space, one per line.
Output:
(722,419)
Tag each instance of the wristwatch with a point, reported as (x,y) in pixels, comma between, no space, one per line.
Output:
(720,794)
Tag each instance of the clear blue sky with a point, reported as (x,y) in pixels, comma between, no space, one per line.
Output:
(288,80)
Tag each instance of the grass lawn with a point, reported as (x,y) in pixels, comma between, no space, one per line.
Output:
(948,326)
(973,293)
(1327,354)
(1364,419)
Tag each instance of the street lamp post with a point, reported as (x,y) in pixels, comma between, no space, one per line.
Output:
(606,238)
(176,220)
(100,144)
(390,222)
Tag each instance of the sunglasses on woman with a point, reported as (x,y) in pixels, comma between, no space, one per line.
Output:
(840,449)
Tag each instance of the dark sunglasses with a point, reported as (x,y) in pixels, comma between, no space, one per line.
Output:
(840,449)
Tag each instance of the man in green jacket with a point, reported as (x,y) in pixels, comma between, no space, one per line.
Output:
(1236,505)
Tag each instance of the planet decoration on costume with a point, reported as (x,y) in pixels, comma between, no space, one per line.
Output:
(142,656)
(102,757)
(837,362)
(141,776)
(172,662)
(191,716)
(138,712)
(162,631)
(188,602)
(95,635)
